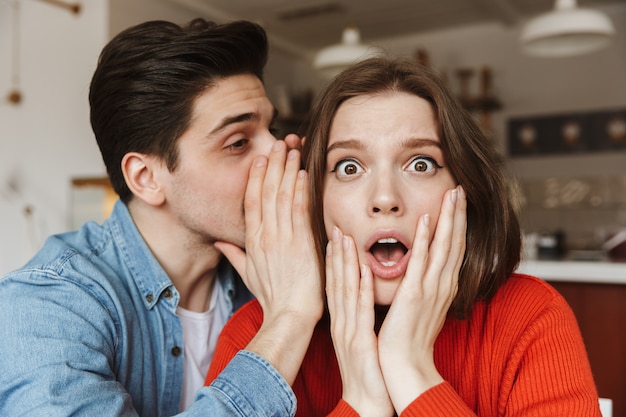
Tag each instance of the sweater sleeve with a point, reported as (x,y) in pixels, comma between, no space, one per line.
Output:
(343,409)
(546,371)
(440,400)
(235,336)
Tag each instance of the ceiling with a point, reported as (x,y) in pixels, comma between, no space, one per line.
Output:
(303,26)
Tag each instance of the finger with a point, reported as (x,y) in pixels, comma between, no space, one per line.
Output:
(366,299)
(253,196)
(440,247)
(235,255)
(418,260)
(351,276)
(458,239)
(330,278)
(460,225)
(272,182)
(294,141)
(301,215)
(286,192)
(337,272)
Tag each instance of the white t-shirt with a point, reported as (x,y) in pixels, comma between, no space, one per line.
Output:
(200,332)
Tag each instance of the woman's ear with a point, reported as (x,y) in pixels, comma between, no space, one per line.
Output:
(140,174)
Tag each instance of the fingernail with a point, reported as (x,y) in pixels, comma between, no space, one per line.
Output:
(335,233)
(260,161)
(346,242)
(426,219)
(462,192)
(292,154)
(278,145)
(454,195)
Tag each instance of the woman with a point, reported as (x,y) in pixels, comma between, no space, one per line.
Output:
(426,314)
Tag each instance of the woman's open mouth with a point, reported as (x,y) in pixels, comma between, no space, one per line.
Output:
(388,258)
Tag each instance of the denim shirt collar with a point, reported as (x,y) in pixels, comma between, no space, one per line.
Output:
(149,276)
(146,271)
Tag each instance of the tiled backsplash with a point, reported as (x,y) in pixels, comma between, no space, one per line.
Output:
(587,209)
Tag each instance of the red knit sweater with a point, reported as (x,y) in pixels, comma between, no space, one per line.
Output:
(519,355)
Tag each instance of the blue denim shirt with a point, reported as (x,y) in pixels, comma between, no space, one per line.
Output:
(88,327)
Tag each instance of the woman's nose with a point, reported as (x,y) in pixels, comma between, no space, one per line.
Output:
(386,197)
(385,208)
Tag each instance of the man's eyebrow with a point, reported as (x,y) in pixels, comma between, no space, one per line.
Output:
(239,118)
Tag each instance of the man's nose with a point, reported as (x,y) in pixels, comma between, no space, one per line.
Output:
(267,140)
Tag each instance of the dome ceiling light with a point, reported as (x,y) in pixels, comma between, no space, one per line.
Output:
(331,60)
(566,31)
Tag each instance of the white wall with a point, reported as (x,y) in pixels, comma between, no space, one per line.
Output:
(125,13)
(530,86)
(534,86)
(45,140)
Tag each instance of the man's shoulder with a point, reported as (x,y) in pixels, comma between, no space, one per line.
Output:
(525,299)
(73,264)
(527,287)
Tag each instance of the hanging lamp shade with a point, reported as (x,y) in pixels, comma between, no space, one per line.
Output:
(567,30)
(332,59)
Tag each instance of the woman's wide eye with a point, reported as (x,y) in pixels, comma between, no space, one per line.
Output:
(423,164)
(347,167)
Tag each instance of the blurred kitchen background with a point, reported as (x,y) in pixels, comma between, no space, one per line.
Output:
(559,117)
(552,116)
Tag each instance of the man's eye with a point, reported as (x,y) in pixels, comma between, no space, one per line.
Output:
(347,167)
(241,143)
(424,164)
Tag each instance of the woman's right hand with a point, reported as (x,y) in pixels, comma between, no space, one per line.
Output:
(350,295)
(418,312)
(280,264)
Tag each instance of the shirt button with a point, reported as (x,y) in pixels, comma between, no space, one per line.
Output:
(176,351)
(167,293)
(149,298)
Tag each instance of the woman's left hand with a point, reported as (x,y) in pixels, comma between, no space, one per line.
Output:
(407,337)
(350,296)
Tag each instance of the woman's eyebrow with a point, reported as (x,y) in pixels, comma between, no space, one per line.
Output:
(345,144)
(421,143)
(409,143)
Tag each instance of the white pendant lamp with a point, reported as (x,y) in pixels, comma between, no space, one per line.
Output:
(567,30)
(332,59)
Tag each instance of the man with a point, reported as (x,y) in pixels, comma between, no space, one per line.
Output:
(122,318)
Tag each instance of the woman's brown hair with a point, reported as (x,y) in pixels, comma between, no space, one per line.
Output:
(493,231)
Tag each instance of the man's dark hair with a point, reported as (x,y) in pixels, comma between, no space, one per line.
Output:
(148,77)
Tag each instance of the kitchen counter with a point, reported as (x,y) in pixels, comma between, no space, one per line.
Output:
(596,272)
